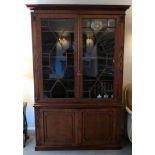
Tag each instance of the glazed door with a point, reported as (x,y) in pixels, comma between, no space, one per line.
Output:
(98,47)
(57,57)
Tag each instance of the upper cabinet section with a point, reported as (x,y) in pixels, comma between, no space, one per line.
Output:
(78,51)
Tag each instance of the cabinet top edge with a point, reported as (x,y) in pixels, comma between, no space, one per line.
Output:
(77,7)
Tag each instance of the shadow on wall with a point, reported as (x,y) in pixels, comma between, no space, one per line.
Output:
(127,75)
(30,117)
(28,96)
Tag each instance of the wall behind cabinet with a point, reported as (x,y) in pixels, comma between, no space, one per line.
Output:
(112,2)
(28,89)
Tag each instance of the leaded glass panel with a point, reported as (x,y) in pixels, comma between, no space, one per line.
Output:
(58,58)
(98,58)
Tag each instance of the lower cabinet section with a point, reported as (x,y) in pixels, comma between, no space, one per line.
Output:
(77,128)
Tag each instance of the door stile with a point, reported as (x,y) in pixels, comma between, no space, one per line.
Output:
(76,84)
(80,51)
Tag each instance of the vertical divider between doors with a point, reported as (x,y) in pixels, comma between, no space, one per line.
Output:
(80,53)
(76,58)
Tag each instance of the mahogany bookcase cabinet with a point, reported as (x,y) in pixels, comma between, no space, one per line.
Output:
(78,69)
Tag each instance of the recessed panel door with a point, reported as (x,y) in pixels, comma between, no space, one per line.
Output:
(99,127)
(59,127)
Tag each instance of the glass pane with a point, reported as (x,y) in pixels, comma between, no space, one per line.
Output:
(98,58)
(111,23)
(58,58)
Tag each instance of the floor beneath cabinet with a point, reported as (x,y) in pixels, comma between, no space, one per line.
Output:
(29,149)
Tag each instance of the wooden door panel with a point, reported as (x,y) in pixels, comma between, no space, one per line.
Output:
(59,127)
(97,127)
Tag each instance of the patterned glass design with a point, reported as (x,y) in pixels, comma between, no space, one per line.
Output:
(58,58)
(98,58)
